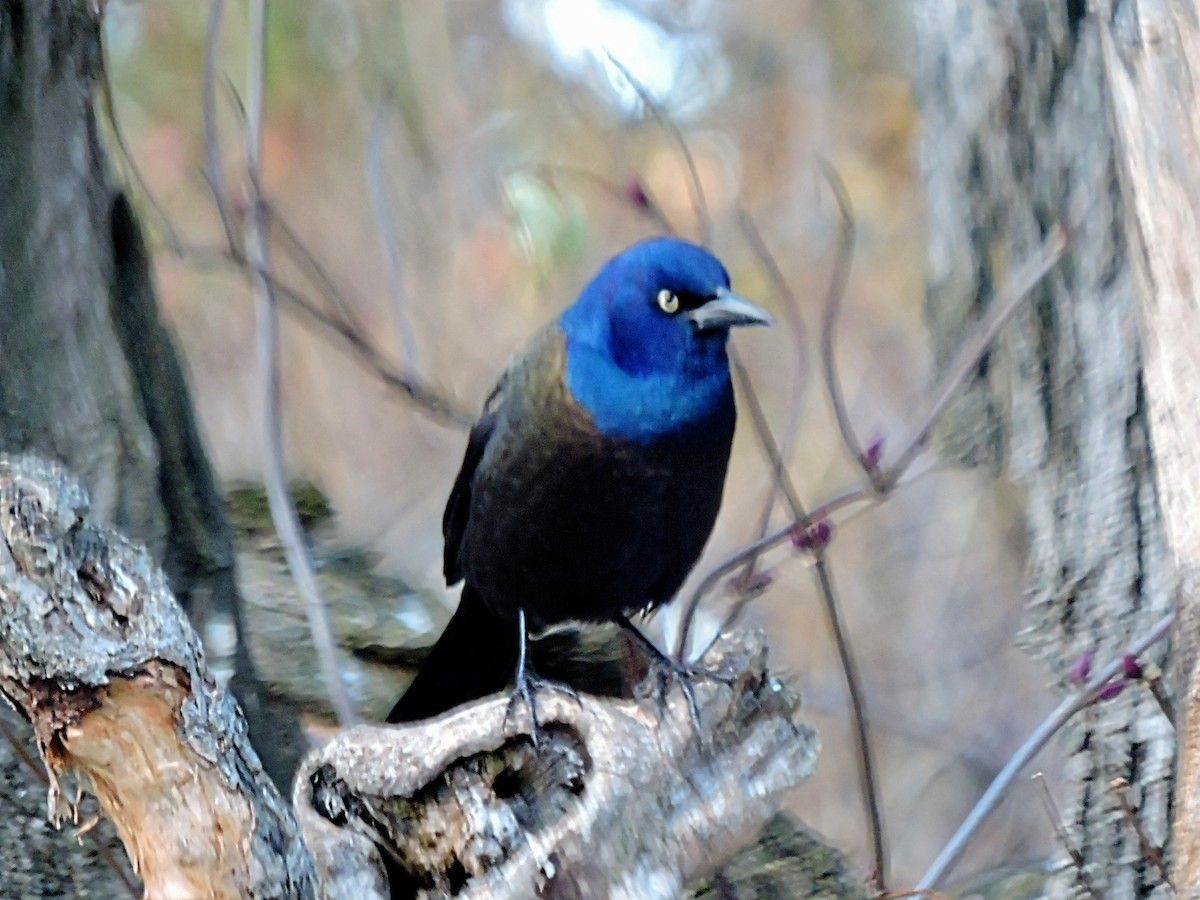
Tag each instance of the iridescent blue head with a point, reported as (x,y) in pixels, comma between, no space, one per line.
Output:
(646,339)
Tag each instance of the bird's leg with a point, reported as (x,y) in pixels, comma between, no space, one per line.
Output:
(669,667)
(528,683)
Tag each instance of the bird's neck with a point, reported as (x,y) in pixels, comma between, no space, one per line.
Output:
(648,406)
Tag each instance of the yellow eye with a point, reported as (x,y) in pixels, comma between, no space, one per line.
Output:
(668,302)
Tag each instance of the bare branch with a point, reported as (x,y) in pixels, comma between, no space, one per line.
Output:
(300,252)
(386,223)
(1064,839)
(969,354)
(858,708)
(287,524)
(829,316)
(1050,726)
(784,296)
(703,220)
(767,542)
(1150,850)
(212,142)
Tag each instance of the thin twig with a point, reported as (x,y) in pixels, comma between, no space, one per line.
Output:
(1022,284)
(287,524)
(858,708)
(212,145)
(762,430)
(829,316)
(300,252)
(785,298)
(703,220)
(1151,677)
(427,399)
(767,542)
(174,242)
(781,480)
(386,223)
(1050,726)
(1060,832)
(1150,850)
(971,351)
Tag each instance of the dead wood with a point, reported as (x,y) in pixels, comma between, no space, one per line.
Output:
(622,799)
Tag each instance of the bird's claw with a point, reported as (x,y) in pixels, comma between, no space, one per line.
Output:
(667,669)
(525,690)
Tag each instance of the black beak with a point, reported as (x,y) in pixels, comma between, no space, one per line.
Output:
(727,310)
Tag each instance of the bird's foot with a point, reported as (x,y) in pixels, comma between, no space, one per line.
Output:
(525,691)
(668,669)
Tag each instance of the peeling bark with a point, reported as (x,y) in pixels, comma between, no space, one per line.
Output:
(97,655)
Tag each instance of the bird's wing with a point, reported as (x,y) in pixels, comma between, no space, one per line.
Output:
(458,507)
(511,395)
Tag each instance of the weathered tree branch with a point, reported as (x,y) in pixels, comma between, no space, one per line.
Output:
(96,653)
(622,800)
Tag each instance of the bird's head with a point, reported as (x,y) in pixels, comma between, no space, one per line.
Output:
(663,306)
(646,340)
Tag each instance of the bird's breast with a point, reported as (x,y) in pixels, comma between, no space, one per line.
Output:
(567,514)
(649,406)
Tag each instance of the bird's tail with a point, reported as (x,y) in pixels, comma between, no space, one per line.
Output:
(474,657)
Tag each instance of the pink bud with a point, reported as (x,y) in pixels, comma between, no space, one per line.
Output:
(816,538)
(635,193)
(1131,666)
(1082,667)
(1110,690)
(873,454)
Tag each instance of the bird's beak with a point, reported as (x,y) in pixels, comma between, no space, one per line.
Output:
(726,310)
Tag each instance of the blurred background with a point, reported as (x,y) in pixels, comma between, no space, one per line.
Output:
(512,153)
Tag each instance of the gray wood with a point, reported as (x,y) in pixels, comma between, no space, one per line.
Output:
(625,800)
(1152,62)
(98,656)
(1018,136)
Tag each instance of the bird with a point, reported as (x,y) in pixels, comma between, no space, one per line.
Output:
(593,477)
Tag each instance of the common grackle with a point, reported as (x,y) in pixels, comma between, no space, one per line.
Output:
(593,477)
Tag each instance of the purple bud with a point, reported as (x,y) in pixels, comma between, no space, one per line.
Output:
(816,537)
(823,532)
(873,454)
(1110,689)
(635,193)
(1082,667)
(756,583)
(1131,666)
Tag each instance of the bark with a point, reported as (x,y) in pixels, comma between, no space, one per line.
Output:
(97,655)
(1017,137)
(1152,63)
(623,800)
(90,377)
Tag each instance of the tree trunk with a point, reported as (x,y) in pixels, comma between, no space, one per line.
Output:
(89,376)
(1152,61)
(1018,136)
